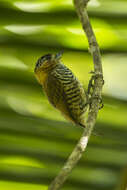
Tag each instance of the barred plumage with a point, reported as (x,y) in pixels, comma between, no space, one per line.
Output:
(62,88)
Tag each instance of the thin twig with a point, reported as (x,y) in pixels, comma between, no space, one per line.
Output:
(80,6)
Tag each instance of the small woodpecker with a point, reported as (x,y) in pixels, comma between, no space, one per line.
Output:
(63,89)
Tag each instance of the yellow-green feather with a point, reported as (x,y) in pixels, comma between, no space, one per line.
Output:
(66,93)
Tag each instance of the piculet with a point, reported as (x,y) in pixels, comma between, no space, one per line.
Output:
(63,89)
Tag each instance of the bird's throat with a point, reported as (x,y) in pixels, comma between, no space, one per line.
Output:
(41,77)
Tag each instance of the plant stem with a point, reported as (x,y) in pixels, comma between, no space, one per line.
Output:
(80,6)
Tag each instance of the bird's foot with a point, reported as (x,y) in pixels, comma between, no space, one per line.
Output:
(92,82)
(99,99)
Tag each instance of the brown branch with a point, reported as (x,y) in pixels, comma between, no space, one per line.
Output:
(80,6)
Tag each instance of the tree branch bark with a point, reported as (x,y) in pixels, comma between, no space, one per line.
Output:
(80,6)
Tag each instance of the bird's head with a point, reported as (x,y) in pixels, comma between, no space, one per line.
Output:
(47,62)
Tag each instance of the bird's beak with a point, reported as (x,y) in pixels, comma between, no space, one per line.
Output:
(58,56)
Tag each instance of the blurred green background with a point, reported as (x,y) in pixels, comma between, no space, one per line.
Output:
(35,140)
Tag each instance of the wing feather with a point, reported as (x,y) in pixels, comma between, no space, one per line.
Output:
(66,94)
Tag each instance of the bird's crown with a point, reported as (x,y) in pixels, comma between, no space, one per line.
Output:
(48,58)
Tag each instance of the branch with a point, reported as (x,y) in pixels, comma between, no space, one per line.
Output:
(80,6)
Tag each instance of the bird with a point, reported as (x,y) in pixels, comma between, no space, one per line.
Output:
(62,88)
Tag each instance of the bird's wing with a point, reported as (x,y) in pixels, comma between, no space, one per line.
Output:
(66,94)
(53,89)
(76,101)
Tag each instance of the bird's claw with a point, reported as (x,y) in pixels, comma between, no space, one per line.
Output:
(96,97)
(91,81)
